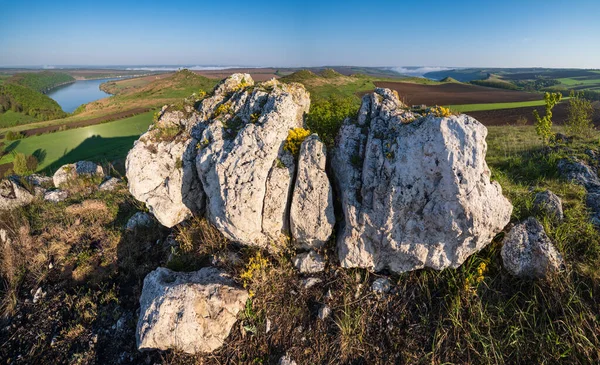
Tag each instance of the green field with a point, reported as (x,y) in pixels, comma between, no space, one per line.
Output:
(495,106)
(99,143)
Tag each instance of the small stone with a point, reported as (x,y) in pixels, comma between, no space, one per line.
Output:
(286,360)
(309,263)
(310,282)
(268,325)
(324,312)
(39,294)
(549,203)
(138,220)
(528,252)
(109,185)
(381,286)
(56,196)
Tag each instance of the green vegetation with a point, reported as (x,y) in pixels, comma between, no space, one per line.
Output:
(579,121)
(102,142)
(41,81)
(29,102)
(464,108)
(24,165)
(11,118)
(326,116)
(543,125)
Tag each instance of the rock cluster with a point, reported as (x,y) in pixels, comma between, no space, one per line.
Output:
(227,161)
(581,173)
(415,192)
(192,312)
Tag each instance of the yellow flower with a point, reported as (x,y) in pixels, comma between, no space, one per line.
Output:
(294,139)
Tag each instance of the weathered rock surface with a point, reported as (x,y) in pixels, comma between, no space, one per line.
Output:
(81,169)
(138,220)
(580,173)
(191,312)
(311,214)
(161,173)
(110,184)
(528,252)
(240,155)
(381,286)
(415,193)
(286,360)
(309,262)
(13,194)
(549,203)
(56,196)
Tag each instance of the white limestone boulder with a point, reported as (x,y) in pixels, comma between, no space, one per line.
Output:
(415,192)
(190,312)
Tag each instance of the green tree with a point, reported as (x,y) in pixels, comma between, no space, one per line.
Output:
(326,116)
(543,125)
(580,113)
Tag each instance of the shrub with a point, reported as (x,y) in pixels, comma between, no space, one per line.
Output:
(24,165)
(439,111)
(580,113)
(13,136)
(295,139)
(543,125)
(326,116)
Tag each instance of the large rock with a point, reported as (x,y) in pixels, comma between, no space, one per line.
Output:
(415,192)
(162,174)
(71,172)
(581,173)
(549,203)
(13,194)
(311,214)
(190,312)
(528,252)
(241,161)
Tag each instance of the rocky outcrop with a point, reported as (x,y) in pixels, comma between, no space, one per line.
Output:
(311,214)
(190,312)
(528,252)
(56,196)
(241,161)
(550,204)
(161,172)
(415,192)
(13,194)
(71,172)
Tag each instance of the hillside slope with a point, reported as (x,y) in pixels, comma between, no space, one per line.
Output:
(41,81)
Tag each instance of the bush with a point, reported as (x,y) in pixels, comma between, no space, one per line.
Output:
(326,116)
(24,165)
(295,139)
(580,113)
(13,136)
(543,125)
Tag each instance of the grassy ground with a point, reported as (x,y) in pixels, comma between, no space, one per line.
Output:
(429,317)
(103,142)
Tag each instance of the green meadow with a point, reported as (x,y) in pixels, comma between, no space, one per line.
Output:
(101,142)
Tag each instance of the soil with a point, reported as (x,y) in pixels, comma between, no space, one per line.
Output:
(448,94)
(510,116)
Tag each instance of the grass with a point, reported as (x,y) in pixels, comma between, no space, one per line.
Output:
(11,119)
(464,108)
(102,142)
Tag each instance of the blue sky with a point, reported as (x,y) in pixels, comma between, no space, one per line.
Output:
(310,33)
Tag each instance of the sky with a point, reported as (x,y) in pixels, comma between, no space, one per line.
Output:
(507,33)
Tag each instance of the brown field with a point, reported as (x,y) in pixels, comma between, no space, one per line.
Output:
(510,116)
(455,94)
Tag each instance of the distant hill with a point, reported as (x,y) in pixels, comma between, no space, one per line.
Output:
(20,99)
(41,81)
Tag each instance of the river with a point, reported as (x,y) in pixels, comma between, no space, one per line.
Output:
(70,96)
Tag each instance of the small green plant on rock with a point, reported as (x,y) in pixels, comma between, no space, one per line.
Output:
(543,125)
(294,139)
